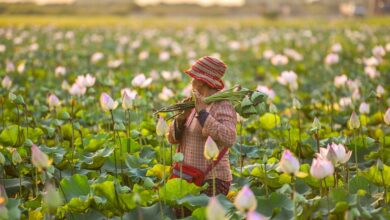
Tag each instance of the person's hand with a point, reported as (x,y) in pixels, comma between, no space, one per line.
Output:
(184,114)
(199,101)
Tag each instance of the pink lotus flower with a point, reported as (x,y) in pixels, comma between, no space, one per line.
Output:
(289,78)
(161,127)
(77,90)
(107,103)
(288,163)
(215,211)
(39,159)
(253,215)
(211,150)
(335,153)
(141,81)
(53,101)
(6,83)
(332,58)
(127,99)
(60,71)
(340,80)
(321,168)
(279,60)
(364,108)
(245,200)
(380,91)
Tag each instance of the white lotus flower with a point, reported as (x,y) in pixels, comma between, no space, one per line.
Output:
(141,81)
(268,54)
(354,122)
(336,153)
(215,211)
(336,48)
(321,168)
(279,60)
(161,127)
(245,200)
(211,150)
(165,94)
(266,90)
(332,58)
(288,163)
(289,78)
(253,215)
(107,103)
(60,71)
(364,108)
(6,83)
(96,57)
(380,91)
(378,51)
(340,80)
(53,101)
(77,90)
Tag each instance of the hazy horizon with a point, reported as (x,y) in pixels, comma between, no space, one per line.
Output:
(144,2)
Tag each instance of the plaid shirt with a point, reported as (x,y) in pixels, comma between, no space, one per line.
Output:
(220,125)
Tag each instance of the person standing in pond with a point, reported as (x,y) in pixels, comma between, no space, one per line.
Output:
(218,120)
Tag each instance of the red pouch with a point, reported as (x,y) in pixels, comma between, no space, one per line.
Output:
(189,173)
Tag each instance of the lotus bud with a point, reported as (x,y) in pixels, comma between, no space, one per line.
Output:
(39,159)
(215,211)
(6,82)
(53,101)
(245,200)
(288,163)
(16,158)
(52,197)
(354,122)
(316,124)
(364,108)
(296,104)
(253,215)
(162,127)
(211,150)
(386,117)
(107,103)
(127,101)
(321,168)
(380,91)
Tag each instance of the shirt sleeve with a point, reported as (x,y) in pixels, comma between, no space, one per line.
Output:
(220,124)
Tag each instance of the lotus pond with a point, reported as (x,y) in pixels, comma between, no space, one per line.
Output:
(320,151)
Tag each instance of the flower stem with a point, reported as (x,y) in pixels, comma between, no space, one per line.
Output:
(356,152)
(384,187)
(212,167)
(113,132)
(241,142)
(293,196)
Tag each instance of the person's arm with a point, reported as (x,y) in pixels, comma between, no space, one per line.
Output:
(222,126)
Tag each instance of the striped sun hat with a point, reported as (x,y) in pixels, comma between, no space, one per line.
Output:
(208,70)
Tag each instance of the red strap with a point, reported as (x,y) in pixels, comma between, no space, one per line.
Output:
(215,162)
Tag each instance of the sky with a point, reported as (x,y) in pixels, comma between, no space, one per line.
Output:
(149,2)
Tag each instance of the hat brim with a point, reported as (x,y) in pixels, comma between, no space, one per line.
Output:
(220,86)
